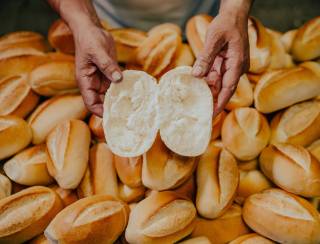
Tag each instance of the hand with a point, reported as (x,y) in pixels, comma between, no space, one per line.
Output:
(224,58)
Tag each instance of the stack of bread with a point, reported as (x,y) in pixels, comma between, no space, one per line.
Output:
(158,168)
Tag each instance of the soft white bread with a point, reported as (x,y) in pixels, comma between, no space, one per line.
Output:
(163,217)
(280,89)
(130,194)
(130,118)
(15,135)
(217,125)
(292,167)
(287,39)
(26,214)
(314,148)
(282,217)
(298,124)
(252,238)
(5,186)
(163,169)
(53,112)
(197,240)
(186,108)
(68,150)
(245,132)
(95,219)
(16,96)
(95,125)
(223,229)
(129,170)
(67,196)
(60,37)
(217,182)
(29,167)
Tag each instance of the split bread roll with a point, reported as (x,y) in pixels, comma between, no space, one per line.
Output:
(129,170)
(95,219)
(252,238)
(60,37)
(314,148)
(95,125)
(217,182)
(293,168)
(53,112)
(29,167)
(5,186)
(197,240)
(16,96)
(298,124)
(26,214)
(282,217)
(306,44)
(245,132)
(280,89)
(15,135)
(68,150)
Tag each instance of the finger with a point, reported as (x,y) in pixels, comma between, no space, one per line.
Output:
(214,77)
(93,102)
(107,66)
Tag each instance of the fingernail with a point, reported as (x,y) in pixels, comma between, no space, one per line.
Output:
(116,76)
(197,71)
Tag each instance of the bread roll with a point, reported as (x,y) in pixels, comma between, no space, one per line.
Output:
(187,189)
(252,238)
(5,186)
(314,148)
(196,30)
(41,239)
(287,39)
(282,217)
(292,168)
(26,214)
(130,118)
(254,78)
(95,219)
(129,194)
(217,182)
(68,149)
(165,28)
(245,132)
(29,167)
(217,125)
(163,217)
(95,125)
(223,229)
(15,135)
(298,124)
(16,96)
(248,165)
(316,203)
(129,170)
(60,37)
(53,112)
(306,44)
(196,240)
(67,196)
(279,89)
(101,176)
(183,57)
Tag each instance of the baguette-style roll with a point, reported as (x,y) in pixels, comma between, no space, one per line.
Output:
(53,112)
(183,57)
(314,148)
(217,125)
(287,39)
(197,240)
(100,176)
(29,167)
(95,219)
(26,214)
(196,31)
(163,217)
(163,169)
(129,194)
(282,217)
(248,165)
(15,135)
(67,196)
(16,96)
(95,125)
(223,229)
(60,37)
(280,89)
(245,132)
(130,118)
(5,186)
(68,149)
(306,44)
(252,238)
(129,170)
(293,168)
(217,182)
(186,109)
(41,239)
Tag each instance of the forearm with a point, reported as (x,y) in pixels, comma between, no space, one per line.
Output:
(236,8)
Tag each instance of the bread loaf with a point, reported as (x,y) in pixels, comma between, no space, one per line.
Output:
(129,170)
(67,196)
(95,125)
(29,167)
(5,186)
(314,148)
(287,39)
(282,217)
(252,238)
(68,149)
(197,240)
(217,125)
(129,194)
(60,37)
(245,132)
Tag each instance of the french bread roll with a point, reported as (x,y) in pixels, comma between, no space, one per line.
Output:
(68,150)
(15,135)
(314,148)
(298,124)
(129,194)
(223,229)
(163,169)
(291,167)
(280,89)
(53,112)
(165,28)
(129,170)
(60,37)
(95,219)
(196,30)
(184,128)
(41,239)
(67,196)
(306,44)
(254,78)
(101,176)
(282,217)
(217,125)
(95,125)
(29,167)
(130,118)
(252,238)
(217,182)
(316,203)
(26,214)
(245,132)
(197,240)
(163,217)
(5,186)
(287,39)
(248,165)
(16,96)
(183,57)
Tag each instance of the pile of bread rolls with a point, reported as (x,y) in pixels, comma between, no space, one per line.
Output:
(258,181)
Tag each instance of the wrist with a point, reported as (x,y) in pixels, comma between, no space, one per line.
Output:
(235,9)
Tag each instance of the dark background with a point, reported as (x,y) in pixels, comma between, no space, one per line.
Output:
(37,15)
